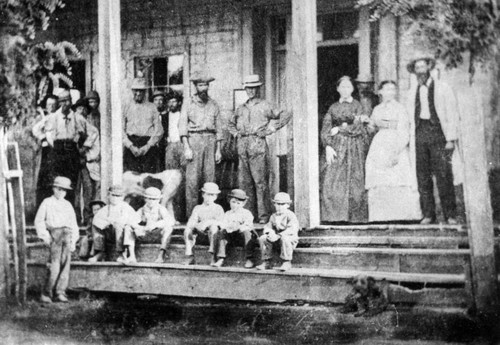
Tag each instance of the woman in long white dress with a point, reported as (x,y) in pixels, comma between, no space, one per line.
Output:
(390,165)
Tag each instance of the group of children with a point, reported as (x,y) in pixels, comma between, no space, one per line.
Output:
(118,223)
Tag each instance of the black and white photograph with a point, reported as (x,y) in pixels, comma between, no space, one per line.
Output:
(250,172)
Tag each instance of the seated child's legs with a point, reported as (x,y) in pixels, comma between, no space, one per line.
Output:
(129,238)
(266,248)
(288,244)
(212,233)
(189,240)
(166,234)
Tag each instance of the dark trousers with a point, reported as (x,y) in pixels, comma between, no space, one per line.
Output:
(433,159)
(60,261)
(147,163)
(45,176)
(223,238)
(65,160)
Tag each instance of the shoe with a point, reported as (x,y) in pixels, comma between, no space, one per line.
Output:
(248,264)
(62,298)
(160,259)
(263,221)
(95,258)
(285,266)
(45,299)
(263,266)
(427,221)
(131,261)
(122,260)
(452,221)
(189,260)
(218,263)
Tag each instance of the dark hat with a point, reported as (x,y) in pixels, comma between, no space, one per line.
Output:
(430,61)
(157,93)
(201,77)
(116,190)
(97,202)
(93,95)
(238,194)
(82,102)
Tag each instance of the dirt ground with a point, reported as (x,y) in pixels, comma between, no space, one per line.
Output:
(101,320)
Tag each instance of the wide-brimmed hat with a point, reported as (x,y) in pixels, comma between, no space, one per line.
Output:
(97,202)
(93,95)
(152,193)
(282,198)
(62,182)
(252,80)
(82,102)
(157,93)
(201,77)
(210,188)
(116,190)
(139,84)
(430,61)
(238,194)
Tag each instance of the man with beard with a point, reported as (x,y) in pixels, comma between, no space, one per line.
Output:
(433,108)
(161,106)
(142,132)
(70,136)
(200,129)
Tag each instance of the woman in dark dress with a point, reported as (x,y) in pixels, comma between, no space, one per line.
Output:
(345,137)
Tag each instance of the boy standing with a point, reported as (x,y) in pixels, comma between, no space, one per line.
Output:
(204,220)
(55,224)
(237,222)
(153,217)
(282,229)
(116,219)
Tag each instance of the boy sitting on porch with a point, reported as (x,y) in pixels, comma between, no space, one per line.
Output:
(205,220)
(113,221)
(153,217)
(55,224)
(86,242)
(237,222)
(282,230)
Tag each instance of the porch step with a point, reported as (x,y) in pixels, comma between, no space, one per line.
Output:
(409,260)
(298,284)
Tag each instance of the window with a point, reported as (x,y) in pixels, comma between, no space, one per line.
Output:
(162,73)
(337,26)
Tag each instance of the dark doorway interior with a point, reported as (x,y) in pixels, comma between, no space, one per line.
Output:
(333,63)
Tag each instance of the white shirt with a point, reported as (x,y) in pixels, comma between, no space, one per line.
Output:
(173,127)
(425,112)
(56,213)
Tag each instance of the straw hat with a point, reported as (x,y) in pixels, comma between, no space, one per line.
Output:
(62,182)
(282,198)
(238,194)
(252,80)
(152,193)
(430,61)
(158,93)
(139,84)
(210,188)
(201,77)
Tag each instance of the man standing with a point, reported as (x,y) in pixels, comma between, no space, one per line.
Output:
(201,131)
(142,132)
(94,117)
(174,153)
(161,106)
(435,113)
(71,137)
(250,124)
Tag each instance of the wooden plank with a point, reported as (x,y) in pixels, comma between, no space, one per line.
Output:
(387,241)
(20,224)
(304,90)
(239,284)
(5,274)
(387,49)
(14,228)
(364,54)
(109,86)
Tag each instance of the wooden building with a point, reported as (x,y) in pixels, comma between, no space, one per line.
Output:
(300,48)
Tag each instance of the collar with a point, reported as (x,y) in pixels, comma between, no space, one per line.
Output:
(255,101)
(198,100)
(427,83)
(346,100)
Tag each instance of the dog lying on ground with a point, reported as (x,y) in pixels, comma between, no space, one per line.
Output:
(366,298)
(167,181)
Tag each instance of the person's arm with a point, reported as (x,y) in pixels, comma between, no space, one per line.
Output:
(232,123)
(292,227)
(158,129)
(183,132)
(247,222)
(219,135)
(38,130)
(75,230)
(50,129)
(40,223)
(126,141)
(193,219)
(166,220)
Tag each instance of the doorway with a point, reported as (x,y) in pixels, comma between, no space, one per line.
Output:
(334,62)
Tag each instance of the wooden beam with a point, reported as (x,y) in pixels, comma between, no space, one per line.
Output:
(387,49)
(4,225)
(478,202)
(303,86)
(109,85)
(246,41)
(364,54)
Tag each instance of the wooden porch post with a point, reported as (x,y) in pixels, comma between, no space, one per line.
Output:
(303,86)
(478,204)
(109,85)
(387,49)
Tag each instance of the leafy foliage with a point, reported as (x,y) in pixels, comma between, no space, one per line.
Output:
(449,28)
(20,20)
